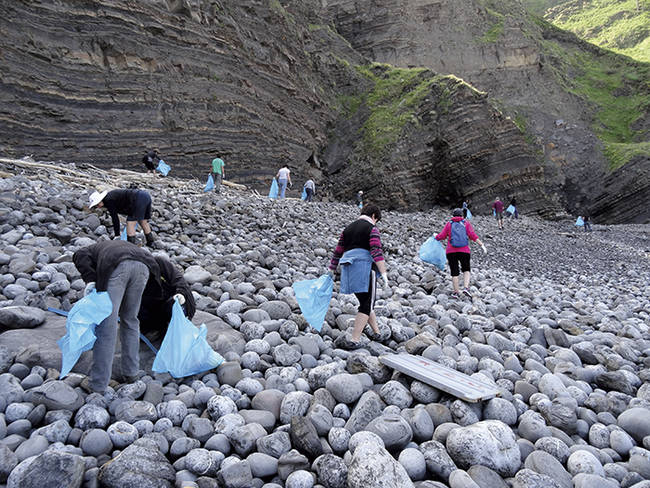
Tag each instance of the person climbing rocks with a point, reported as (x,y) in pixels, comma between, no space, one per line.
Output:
(587,223)
(135,204)
(360,254)
(150,160)
(458,233)
(465,208)
(125,271)
(284,178)
(360,199)
(513,202)
(156,309)
(310,190)
(497,207)
(218,173)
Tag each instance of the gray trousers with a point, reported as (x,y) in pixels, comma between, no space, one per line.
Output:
(125,287)
(217,177)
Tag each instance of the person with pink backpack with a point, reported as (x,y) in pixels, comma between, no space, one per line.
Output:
(458,233)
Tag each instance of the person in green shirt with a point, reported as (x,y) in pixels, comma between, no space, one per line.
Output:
(218,173)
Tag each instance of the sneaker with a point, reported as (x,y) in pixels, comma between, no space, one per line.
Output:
(467,292)
(455,294)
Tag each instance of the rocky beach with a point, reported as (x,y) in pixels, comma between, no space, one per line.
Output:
(558,321)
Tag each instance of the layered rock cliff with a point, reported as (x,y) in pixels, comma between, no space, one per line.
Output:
(522,65)
(265,83)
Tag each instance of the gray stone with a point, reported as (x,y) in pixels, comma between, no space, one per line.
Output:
(304,437)
(51,468)
(531,479)
(344,387)
(290,462)
(331,470)
(10,388)
(8,461)
(141,466)
(532,426)
(174,410)
(262,465)
(414,463)
(21,317)
(122,434)
(543,463)
(269,400)
(276,309)
(485,477)
(244,438)
(394,393)
(582,461)
(394,430)
(338,438)
(437,459)
(500,409)
(236,475)
(55,395)
(133,410)
(229,373)
(300,479)
(372,465)
(636,422)
(275,444)
(219,405)
(460,479)
(294,403)
(584,480)
(286,355)
(32,447)
(369,407)
(196,274)
(490,443)
(95,442)
(420,422)
(91,416)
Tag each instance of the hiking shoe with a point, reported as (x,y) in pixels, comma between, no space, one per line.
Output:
(467,292)
(455,294)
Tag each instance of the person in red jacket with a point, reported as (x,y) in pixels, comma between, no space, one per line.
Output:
(459,232)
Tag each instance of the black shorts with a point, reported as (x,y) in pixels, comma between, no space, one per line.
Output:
(456,258)
(367,300)
(142,210)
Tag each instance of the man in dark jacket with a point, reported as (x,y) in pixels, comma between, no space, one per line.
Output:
(151,160)
(126,271)
(156,310)
(135,204)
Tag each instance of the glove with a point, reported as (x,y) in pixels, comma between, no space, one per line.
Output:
(385,278)
(179,298)
(483,247)
(89,288)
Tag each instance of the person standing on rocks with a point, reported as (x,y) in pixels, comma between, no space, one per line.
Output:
(360,254)
(513,202)
(135,204)
(360,199)
(465,208)
(587,221)
(459,231)
(497,206)
(125,271)
(150,160)
(218,173)
(284,178)
(156,308)
(310,189)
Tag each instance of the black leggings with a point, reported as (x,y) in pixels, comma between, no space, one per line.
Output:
(367,299)
(456,258)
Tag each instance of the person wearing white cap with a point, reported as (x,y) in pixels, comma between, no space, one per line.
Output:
(135,204)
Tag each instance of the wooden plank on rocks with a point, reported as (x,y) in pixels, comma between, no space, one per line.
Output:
(445,379)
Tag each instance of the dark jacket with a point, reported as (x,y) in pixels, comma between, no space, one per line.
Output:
(120,202)
(97,262)
(150,160)
(156,310)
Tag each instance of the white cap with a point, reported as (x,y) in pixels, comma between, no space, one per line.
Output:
(97,197)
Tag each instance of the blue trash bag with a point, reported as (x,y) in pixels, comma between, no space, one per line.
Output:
(314,297)
(209,184)
(274,191)
(494,212)
(163,168)
(579,222)
(80,327)
(432,252)
(185,350)
(469,214)
(123,234)
(304,194)
(510,210)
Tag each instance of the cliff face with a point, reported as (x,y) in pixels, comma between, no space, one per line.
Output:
(496,47)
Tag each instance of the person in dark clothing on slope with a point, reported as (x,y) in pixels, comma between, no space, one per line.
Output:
(125,271)
(497,207)
(359,251)
(150,160)
(135,204)
(156,309)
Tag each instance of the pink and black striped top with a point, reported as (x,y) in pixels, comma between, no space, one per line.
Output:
(359,234)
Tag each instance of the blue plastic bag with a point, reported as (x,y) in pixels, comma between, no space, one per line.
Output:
(80,327)
(123,234)
(580,222)
(469,214)
(510,210)
(185,350)
(273,192)
(304,194)
(314,297)
(210,184)
(432,252)
(163,168)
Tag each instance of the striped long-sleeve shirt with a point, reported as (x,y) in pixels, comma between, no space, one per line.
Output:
(359,234)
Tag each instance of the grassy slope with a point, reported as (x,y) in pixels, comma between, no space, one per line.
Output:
(615,86)
(610,24)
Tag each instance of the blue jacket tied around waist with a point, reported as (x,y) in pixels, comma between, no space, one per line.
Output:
(355,271)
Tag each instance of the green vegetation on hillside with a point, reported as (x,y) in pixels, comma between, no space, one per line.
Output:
(616,86)
(393,99)
(611,24)
(539,7)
